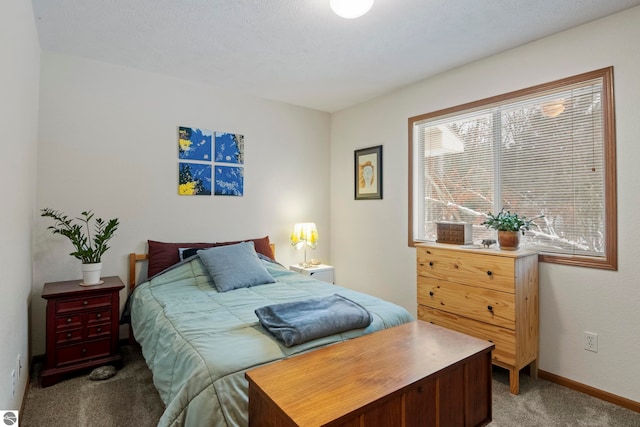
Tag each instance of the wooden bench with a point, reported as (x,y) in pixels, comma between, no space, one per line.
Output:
(416,374)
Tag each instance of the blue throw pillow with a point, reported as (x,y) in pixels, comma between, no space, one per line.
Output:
(235,266)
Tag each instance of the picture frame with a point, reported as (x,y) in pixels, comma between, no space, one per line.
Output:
(368,173)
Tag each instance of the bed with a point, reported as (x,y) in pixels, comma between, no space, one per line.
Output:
(198,341)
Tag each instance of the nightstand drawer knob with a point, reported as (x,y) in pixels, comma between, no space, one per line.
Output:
(98,315)
(69,320)
(489,273)
(99,329)
(490,307)
(430,263)
(84,350)
(85,302)
(430,293)
(68,334)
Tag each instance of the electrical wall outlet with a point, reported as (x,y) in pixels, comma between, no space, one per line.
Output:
(591,341)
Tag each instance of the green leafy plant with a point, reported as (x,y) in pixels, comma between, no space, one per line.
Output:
(507,221)
(89,249)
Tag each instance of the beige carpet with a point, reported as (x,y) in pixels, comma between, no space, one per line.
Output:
(129,399)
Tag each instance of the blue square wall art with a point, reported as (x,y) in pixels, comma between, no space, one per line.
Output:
(194,144)
(229,148)
(194,179)
(229,181)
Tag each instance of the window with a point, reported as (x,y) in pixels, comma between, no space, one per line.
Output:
(546,150)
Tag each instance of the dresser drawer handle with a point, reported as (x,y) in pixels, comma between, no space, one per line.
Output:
(430,293)
(85,302)
(430,263)
(490,308)
(98,315)
(99,329)
(68,334)
(69,320)
(84,350)
(489,273)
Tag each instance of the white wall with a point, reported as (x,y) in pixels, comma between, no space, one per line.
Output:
(108,142)
(20,53)
(369,238)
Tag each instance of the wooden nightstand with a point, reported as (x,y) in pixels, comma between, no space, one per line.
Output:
(321,271)
(82,327)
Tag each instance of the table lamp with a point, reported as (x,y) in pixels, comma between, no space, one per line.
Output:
(304,234)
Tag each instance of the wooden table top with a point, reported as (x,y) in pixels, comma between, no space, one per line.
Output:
(70,287)
(325,384)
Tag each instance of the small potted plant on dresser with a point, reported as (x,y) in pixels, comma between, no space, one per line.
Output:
(509,226)
(88,249)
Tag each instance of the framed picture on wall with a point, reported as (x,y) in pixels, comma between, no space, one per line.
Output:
(368,173)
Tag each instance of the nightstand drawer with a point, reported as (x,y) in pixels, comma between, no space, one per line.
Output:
(320,272)
(485,305)
(83,351)
(503,338)
(99,330)
(83,303)
(66,322)
(68,337)
(98,316)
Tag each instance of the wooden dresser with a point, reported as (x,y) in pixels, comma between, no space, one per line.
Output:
(416,374)
(487,293)
(82,327)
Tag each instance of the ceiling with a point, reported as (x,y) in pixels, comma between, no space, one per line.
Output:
(299,51)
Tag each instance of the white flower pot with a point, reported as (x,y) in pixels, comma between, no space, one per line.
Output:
(91,274)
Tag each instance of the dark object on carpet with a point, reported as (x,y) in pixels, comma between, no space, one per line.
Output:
(102,373)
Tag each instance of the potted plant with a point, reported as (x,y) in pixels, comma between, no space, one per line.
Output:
(88,248)
(509,226)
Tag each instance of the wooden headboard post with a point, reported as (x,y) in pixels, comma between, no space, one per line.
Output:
(133,258)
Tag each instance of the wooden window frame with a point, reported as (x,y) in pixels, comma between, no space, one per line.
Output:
(610,259)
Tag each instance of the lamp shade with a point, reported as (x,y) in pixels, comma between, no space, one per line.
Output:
(304,234)
(350,8)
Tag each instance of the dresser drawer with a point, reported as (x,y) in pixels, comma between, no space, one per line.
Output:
(485,305)
(503,338)
(487,271)
(84,351)
(65,305)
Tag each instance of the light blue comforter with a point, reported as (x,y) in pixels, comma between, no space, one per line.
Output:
(198,342)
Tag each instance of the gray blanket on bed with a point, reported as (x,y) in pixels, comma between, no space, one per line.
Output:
(300,321)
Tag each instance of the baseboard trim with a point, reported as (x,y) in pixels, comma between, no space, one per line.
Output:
(591,391)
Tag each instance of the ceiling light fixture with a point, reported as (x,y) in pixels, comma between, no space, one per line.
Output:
(350,9)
